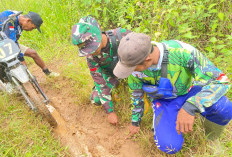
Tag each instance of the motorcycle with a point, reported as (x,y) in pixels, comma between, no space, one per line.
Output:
(13,72)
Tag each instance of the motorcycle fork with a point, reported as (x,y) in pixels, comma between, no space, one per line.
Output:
(37,87)
(19,87)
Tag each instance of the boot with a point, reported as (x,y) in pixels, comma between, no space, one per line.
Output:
(212,130)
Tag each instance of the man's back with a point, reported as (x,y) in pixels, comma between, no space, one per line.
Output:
(13,31)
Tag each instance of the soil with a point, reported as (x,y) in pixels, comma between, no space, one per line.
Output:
(84,129)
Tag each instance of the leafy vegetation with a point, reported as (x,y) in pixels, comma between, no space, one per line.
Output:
(205,24)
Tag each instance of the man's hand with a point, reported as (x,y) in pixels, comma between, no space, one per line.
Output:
(184,122)
(133,130)
(113,118)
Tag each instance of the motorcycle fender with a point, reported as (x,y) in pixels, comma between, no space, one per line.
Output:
(20,73)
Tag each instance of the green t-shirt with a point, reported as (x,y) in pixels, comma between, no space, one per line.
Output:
(187,66)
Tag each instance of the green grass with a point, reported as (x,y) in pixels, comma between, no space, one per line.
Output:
(205,24)
(22,133)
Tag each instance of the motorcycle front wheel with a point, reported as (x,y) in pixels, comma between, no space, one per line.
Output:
(38,102)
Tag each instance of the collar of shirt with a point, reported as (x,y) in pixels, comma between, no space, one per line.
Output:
(161,49)
(17,22)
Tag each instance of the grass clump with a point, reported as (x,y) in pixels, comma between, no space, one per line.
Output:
(22,133)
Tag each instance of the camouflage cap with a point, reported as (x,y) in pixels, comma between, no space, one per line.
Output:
(87,32)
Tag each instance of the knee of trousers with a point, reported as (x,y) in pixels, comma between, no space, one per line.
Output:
(169,146)
(222,113)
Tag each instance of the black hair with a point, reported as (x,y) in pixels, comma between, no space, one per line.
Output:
(152,49)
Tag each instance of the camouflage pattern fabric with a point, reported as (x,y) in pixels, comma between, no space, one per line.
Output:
(88,33)
(103,77)
(185,69)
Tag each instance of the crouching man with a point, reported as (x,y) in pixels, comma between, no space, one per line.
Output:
(179,80)
(101,52)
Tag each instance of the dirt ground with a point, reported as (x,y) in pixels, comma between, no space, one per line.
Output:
(84,129)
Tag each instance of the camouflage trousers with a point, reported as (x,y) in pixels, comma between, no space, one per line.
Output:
(101,94)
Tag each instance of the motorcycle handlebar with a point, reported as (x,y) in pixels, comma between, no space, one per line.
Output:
(10,18)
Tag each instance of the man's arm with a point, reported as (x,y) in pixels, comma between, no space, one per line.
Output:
(137,101)
(99,81)
(214,83)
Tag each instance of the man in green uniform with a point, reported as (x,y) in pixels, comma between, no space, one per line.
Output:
(100,49)
(179,80)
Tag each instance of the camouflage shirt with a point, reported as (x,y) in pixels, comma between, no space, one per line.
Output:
(187,67)
(101,72)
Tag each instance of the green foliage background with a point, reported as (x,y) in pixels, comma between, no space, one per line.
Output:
(205,24)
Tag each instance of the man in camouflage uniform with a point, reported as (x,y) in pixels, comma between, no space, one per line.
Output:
(180,81)
(100,49)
